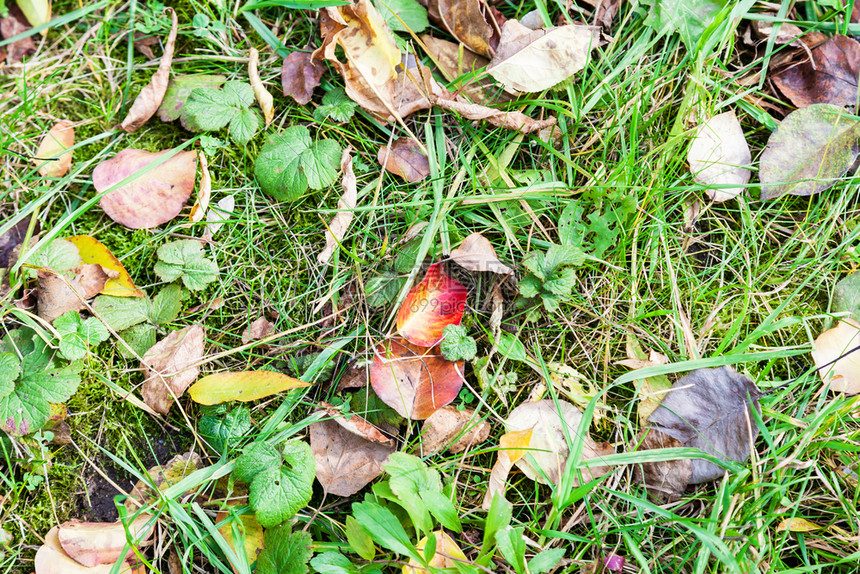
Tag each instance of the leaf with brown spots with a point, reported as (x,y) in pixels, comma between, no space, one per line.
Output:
(300,74)
(94,543)
(405,159)
(54,156)
(830,77)
(171,366)
(345,462)
(467,21)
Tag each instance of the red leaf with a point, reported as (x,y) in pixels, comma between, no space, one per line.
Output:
(432,305)
(415,381)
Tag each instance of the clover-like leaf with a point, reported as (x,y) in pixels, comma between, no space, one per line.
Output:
(77,335)
(291,162)
(457,344)
(185,259)
(210,109)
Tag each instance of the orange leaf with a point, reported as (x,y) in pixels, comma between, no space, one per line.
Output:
(516,443)
(432,305)
(93,251)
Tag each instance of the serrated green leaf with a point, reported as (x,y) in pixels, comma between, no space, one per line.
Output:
(77,335)
(278,492)
(225,430)
(562,282)
(285,552)
(257,458)
(244,125)
(179,90)
(140,338)
(185,259)
(290,162)
(457,345)
(10,369)
(59,255)
(335,105)
(210,109)
(122,312)
(166,305)
(403,15)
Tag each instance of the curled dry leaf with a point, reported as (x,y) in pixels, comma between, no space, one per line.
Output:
(476,253)
(59,294)
(93,543)
(357,425)
(536,60)
(448,554)
(150,97)
(154,197)
(405,159)
(52,559)
(436,302)
(830,77)
(54,156)
(843,376)
(204,192)
(264,98)
(415,381)
(810,150)
(345,462)
(340,223)
(708,409)
(258,329)
(718,157)
(300,74)
(143,44)
(242,386)
(467,21)
(162,477)
(512,120)
(93,251)
(171,365)
(452,428)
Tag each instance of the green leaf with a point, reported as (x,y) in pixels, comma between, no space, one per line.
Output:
(122,312)
(562,282)
(812,148)
(77,335)
(285,552)
(10,368)
(846,296)
(322,163)
(370,407)
(257,458)
(333,563)
(545,560)
(335,105)
(382,289)
(140,338)
(37,12)
(457,345)
(498,517)
(185,259)
(226,430)
(412,14)
(560,255)
(166,305)
(384,528)
(511,544)
(59,255)
(359,540)
(290,162)
(210,109)
(419,491)
(245,125)
(278,492)
(179,90)
(690,18)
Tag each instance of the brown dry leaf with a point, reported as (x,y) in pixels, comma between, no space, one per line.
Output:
(171,366)
(300,74)
(57,295)
(340,222)
(843,376)
(143,44)
(12,25)
(719,156)
(258,329)
(536,60)
(786,34)
(149,98)
(356,376)
(11,240)
(605,10)
(510,120)
(345,462)
(455,63)
(476,253)
(829,78)
(54,156)
(405,159)
(264,98)
(204,191)
(449,423)
(52,559)
(151,199)
(94,543)
(467,21)
(356,425)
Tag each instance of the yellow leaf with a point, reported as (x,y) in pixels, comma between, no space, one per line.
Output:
(516,443)
(251,530)
(241,386)
(37,12)
(448,553)
(93,251)
(797,525)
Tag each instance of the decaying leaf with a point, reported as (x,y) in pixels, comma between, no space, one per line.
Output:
(511,120)
(650,390)
(10,241)
(204,191)
(536,60)
(217,216)
(786,34)
(162,477)
(252,532)
(448,554)
(830,77)
(259,328)
(476,253)
(810,150)
(468,22)
(241,386)
(171,365)
(94,543)
(52,559)
(93,251)
(143,44)
(179,90)
(59,294)
(708,409)
(340,223)
(345,462)
(54,156)
(13,24)
(150,97)
(433,304)
(605,11)
(300,74)
(455,63)
(357,425)
(154,197)
(453,428)
(843,376)
(718,157)
(405,159)
(264,98)
(415,381)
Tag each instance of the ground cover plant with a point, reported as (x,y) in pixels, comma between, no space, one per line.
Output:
(446,286)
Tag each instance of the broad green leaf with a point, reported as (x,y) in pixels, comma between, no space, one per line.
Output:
(403,15)
(457,345)
(511,347)
(335,105)
(846,296)
(545,560)
(179,90)
(241,386)
(140,338)
(322,163)
(290,162)
(257,458)
(211,109)
(227,429)
(285,552)
(811,150)
(278,492)
(59,255)
(382,289)
(498,517)
(185,259)
(333,563)
(690,18)
(359,540)
(77,335)
(245,125)
(384,528)
(10,368)
(122,312)
(419,491)
(166,305)
(512,546)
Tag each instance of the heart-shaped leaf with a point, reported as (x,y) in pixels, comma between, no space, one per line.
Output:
(436,302)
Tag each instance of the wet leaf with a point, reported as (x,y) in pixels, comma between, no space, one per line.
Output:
(405,159)
(93,251)
(447,555)
(291,162)
(844,375)
(154,197)
(151,96)
(345,461)
(476,253)
(185,259)
(58,294)
(179,90)
(452,428)
(718,157)
(433,304)
(264,98)
(338,226)
(810,150)
(830,77)
(257,330)
(241,386)
(512,120)
(708,409)
(54,148)
(171,366)
(414,381)
(52,559)
(94,543)
(300,74)
(252,535)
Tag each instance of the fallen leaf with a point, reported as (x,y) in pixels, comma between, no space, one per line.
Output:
(171,366)
(241,386)
(436,302)
(93,543)
(264,98)
(403,15)
(846,295)
(843,376)
(300,74)
(467,22)
(51,559)
(338,226)
(37,12)
(10,240)
(690,18)
(605,10)
(708,409)
(448,554)
(452,428)
(150,97)
(512,120)
(258,329)
(829,77)
(356,425)
(161,477)
(216,217)
(415,381)
(786,34)
(13,24)
(178,92)
(512,446)
(143,44)
(476,253)
(797,524)
(204,191)
(536,60)
(405,159)
(93,251)
(718,157)
(252,533)
(356,375)
(345,462)
(455,64)
(57,294)
(54,156)
(810,150)
(650,390)
(154,197)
